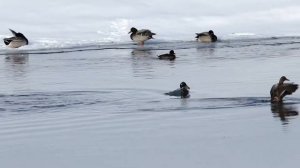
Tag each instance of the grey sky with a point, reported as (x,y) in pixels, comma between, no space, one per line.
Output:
(175,16)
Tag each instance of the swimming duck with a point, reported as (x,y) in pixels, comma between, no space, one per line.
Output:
(206,37)
(140,36)
(16,41)
(171,56)
(279,90)
(183,91)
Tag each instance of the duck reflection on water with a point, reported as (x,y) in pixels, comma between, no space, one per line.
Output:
(284,111)
(17,58)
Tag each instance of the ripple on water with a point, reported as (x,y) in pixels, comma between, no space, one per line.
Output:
(52,112)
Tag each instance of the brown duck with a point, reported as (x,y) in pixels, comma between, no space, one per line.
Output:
(281,89)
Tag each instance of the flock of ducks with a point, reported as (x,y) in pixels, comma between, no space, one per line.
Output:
(277,92)
(139,36)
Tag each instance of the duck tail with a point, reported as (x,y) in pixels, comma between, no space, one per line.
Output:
(151,36)
(13,32)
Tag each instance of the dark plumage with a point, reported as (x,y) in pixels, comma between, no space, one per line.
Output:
(16,41)
(140,36)
(183,91)
(206,36)
(281,89)
(169,56)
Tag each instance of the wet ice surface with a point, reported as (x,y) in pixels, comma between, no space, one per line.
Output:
(104,105)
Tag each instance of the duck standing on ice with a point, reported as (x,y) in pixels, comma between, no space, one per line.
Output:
(16,41)
(280,89)
(140,36)
(206,37)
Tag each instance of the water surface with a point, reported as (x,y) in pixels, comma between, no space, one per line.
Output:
(104,105)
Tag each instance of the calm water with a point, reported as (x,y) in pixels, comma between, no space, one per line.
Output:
(104,105)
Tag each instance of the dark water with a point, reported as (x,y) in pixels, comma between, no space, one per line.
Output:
(104,106)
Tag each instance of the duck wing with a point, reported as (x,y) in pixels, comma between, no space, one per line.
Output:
(273,91)
(201,34)
(167,57)
(163,56)
(145,32)
(288,89)
(176,92)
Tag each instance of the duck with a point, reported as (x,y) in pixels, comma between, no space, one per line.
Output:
(206,37)
(140,36)
(16,41)
(281,89)
(170,56)
(182,92)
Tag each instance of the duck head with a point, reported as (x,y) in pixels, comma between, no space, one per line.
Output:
(210,32)
(282,79)
(184,90)
(133,30)
(183,85)
(172,52)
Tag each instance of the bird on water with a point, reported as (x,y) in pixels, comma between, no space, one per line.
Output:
(206,37)
(182,92)
(169,56)
(281,89)
(16,41)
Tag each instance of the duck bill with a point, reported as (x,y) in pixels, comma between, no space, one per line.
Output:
(187,87)
(129,32)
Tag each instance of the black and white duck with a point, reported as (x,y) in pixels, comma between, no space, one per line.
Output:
(140,36)
(16,41)
(182,92)
(206,37)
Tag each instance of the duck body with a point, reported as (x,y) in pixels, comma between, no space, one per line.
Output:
(16,41)
(206,37)
(140,36)
(281,89)
(182,92)
(170,56)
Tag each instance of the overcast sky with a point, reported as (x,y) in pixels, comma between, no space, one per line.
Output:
(65,17)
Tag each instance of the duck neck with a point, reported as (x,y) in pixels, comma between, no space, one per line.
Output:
(280,82)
